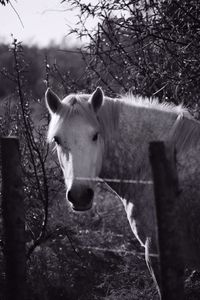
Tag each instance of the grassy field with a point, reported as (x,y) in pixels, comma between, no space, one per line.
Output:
(92,255)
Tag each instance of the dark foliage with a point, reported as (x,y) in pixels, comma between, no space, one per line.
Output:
(148,47)
(4,2)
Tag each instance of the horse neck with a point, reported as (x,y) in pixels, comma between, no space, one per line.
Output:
(109,118)
(128,143)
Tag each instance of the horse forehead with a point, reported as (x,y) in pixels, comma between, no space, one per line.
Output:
(76,127)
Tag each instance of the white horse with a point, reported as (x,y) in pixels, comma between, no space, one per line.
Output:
(97,136)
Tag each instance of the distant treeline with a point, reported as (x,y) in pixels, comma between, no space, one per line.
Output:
(63,69)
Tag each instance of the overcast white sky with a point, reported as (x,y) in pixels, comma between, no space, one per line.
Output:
(44,21)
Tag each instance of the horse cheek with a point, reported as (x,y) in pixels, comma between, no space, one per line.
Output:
(99,161)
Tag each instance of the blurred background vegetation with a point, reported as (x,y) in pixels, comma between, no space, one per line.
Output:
(145,47)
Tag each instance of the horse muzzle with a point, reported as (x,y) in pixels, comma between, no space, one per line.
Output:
(80,200)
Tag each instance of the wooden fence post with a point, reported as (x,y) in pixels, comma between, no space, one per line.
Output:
(13,219)
(168,220)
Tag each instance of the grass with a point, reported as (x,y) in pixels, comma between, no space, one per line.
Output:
(102,264)
(91,256)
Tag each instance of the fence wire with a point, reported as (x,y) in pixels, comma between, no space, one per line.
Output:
(120,251)
(115,180)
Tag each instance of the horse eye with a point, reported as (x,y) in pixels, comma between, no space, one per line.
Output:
(95,137)
(56,140)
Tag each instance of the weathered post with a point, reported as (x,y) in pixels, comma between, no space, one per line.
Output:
(168,220)
(13,219)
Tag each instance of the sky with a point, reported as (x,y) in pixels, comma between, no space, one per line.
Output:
(40,22)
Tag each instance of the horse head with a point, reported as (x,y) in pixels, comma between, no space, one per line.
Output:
(75,129)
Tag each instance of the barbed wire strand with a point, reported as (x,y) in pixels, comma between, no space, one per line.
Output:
(115,180)
(135,253)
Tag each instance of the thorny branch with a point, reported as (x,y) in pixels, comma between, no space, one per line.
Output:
(142,46)
(34,150)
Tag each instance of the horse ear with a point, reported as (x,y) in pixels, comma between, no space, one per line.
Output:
(53,102)
(96,99)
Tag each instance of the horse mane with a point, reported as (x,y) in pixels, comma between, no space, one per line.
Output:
(113,108)
(185,133)
(108,117)
(153,103)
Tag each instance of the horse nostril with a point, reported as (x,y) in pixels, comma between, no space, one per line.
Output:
(89,194)
(80,200)
(69,196)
